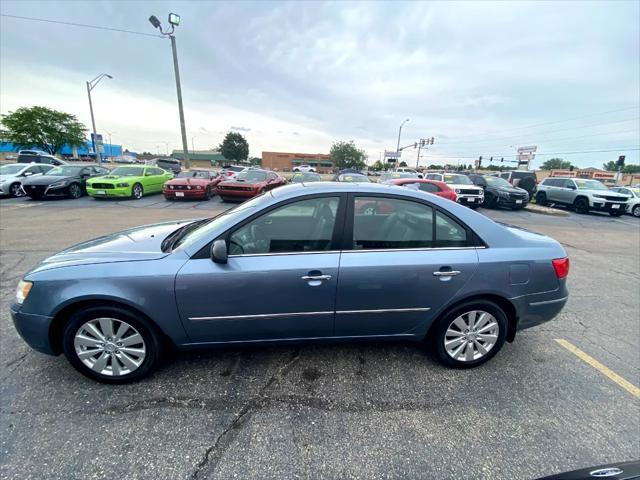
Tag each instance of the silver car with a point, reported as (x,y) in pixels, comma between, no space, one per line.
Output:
(304,262)
(12,176)
(582,194)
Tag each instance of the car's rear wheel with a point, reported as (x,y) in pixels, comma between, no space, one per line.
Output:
(111,345)
(581,205)
(16,190)
(469,335)
(137,191)
(541,198)
(75,191)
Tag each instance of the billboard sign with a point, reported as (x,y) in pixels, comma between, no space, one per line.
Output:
(391,156)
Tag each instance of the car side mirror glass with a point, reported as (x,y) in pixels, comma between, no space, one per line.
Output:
(571,187)
(27,174)
(219,251)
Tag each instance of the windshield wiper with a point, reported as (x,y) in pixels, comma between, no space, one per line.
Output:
(175,236)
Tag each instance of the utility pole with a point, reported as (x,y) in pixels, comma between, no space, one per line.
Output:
(90,86)
(423,142)
(174,20)
(193,148)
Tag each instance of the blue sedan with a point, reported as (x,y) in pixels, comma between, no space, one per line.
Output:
(305,262)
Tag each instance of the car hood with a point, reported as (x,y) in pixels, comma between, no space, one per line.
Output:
(187,181)
(48,179)
(135,244)
(509,190)
(606,193)
(235,183)
(114,178)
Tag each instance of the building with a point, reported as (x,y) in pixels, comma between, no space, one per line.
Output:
(83,152)
(285,162)
(202,158)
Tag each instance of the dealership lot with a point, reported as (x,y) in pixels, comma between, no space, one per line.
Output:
(352,410)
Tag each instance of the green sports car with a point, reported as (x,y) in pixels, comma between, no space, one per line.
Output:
(130,181)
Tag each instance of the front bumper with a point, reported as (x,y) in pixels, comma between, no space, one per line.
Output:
(34,329)
(470,199)
(603,205)
(184,193)
(36,191)
(5,188)
(109,192)
(512,203)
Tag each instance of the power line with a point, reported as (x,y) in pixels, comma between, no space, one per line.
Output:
(498,155)
(98,27)
(549,123)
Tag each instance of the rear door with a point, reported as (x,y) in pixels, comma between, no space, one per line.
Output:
(399,267)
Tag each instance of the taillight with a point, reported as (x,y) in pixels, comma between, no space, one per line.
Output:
(561,266)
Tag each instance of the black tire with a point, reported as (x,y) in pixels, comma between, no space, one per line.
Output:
(224,199)
(636,211)
(616,213)
(473,206)
(438,331)
(137,191)
(541,198)
(15,190)
(75,190)
(490,201)
(152,342)
(581,205)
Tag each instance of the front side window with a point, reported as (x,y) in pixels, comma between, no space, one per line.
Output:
(303,226)
(449,233)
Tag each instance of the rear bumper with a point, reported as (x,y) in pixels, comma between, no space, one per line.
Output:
(536,309)
(34,329)
(109,192)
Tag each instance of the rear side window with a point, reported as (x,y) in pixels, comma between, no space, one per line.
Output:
(428,187)
(505,176)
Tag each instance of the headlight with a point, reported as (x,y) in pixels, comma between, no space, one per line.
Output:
(457,190)
(120,185)
(198,187)
(22,291)
(503,194)
(57,184)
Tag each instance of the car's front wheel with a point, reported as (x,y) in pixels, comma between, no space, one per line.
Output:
(137,191)
(636,211)
(111,345)
(581,205)
(16,190)
(541,198)
(616,213)
(469,335)
(75,191)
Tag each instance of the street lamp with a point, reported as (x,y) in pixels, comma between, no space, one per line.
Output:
(193,149)
(110,145)
(90,86)
(174,21)
(398,147)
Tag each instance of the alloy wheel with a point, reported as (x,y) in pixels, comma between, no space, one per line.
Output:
(74,191)
(636,211)
(471,336)
(16,190)
(109,346)
(137,191)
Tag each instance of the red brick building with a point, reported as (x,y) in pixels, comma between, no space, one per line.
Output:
(285,162)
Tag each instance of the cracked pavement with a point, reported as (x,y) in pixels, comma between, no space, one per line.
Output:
(366,410)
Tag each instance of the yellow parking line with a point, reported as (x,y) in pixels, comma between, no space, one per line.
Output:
(610,374)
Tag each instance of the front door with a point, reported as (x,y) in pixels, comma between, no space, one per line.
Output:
(407,259)
(279,282)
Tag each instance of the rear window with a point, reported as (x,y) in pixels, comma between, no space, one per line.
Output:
(28,158)
(523,174)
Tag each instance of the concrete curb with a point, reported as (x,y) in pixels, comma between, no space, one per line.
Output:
(533,208)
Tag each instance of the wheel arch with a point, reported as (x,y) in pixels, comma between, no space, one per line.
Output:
(507,307)
(61,316)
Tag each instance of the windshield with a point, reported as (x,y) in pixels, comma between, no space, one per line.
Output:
(456,179)
(351,177)
(251,176)
(206,228)
(305,177)
(127,171)
(193,174)
(11,169)
(496,181)
(65,171)
(590,185)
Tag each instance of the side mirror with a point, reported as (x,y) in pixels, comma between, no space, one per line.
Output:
(219,251)
(571,187)
(27,174)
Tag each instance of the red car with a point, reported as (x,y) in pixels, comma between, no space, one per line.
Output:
(248,184)
(192,184)
(432,186)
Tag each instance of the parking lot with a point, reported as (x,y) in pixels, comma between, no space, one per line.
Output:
(367,410)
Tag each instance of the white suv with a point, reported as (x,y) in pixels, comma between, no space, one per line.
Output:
(468,194)
(304,168)
(582,194)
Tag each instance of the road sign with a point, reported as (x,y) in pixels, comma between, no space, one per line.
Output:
(391,156)
(96,140)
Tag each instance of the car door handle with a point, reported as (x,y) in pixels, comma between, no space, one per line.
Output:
(311,278)
(451,273)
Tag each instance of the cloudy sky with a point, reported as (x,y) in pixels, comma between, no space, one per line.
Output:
(482,78)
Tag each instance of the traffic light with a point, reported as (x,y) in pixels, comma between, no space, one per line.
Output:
(480,161)
(501,159)
(620,162)
(431,142)
(490,159)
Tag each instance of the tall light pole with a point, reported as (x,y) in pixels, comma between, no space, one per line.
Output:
(110,145)
(174,21)
(90,86)
(398,147)
(193,149)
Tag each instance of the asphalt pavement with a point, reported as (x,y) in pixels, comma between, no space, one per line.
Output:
(367,410)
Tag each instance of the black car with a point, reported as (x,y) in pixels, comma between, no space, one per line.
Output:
(500,193)
(611,471)
(32,156)
(63,181)
(172,164)
(346,171)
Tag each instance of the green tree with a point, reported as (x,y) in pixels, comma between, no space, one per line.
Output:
(433,166)
(555,164)
(43,128)
(377,166)
(402,164)
(347,155)
(631,169)
(255,161)
(234,147)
